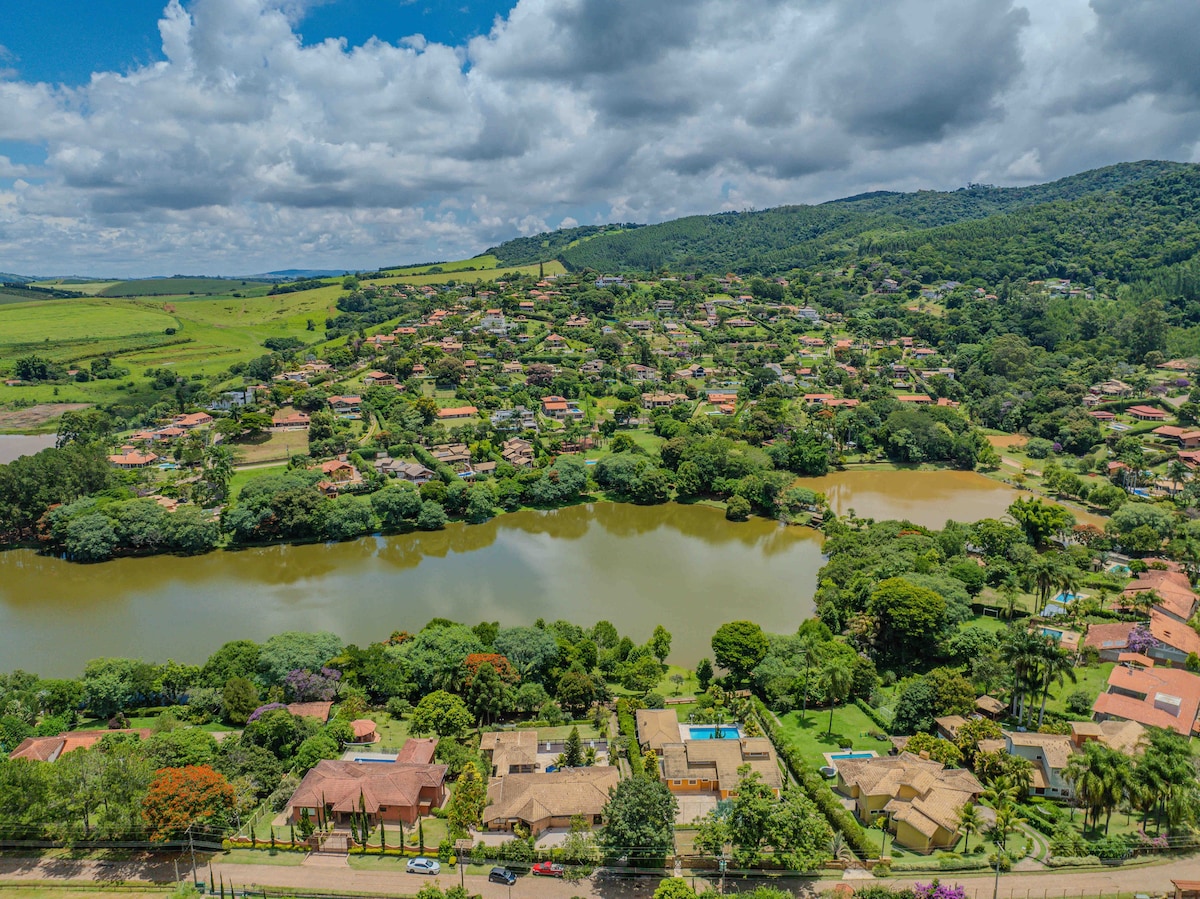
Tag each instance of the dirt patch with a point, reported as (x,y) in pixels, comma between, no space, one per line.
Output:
(36,416)
(1007,441)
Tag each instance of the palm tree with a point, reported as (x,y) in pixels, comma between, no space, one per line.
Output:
(1006,821)
(1045,572)
(836,679)
(969,822)
(1025,653)
(1068,580)
(1100,777)
(1057,664)
(1178,473)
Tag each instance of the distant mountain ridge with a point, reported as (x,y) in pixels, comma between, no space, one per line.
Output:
(1123,221)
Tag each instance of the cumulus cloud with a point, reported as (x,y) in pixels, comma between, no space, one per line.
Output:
(246,149)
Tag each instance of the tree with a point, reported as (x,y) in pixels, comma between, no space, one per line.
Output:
(738,647)
(836,681)
(907,617)
(674,888)
(639,822)
(440,713)
(239,699)
(969,822)
(573,749)
(486,693)
(469,799)
(704,674)
(939,750)
(1039,520)
(737,508)
(660,643)
(180,798)
(286,652)
(432,516)
(792,826)
(314,749)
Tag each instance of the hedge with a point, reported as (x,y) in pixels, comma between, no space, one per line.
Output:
(873,714)
(814,785)
(1056,861)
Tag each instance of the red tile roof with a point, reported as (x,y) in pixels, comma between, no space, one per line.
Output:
(1160,687)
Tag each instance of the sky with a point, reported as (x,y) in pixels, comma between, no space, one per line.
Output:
(146,137)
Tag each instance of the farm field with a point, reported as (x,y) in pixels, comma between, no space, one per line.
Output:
(91,288)
(179,287)
(459,275)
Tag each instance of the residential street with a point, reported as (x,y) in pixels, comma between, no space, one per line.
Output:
(333,876)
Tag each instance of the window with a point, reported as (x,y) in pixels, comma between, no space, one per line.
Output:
(691,783)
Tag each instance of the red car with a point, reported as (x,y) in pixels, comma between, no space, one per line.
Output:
(549,869)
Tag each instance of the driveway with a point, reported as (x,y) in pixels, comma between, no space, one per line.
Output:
(694,805)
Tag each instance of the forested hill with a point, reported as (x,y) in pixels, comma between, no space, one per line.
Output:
(1125,221)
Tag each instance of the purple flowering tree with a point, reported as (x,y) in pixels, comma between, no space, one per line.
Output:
(312,686)
(937,890)
(1141,640)
(263,709)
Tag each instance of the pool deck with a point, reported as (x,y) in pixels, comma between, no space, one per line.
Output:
(832,758)
(685,731)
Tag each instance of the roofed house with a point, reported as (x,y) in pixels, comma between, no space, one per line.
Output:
(318,711)
(921,797)
(383,791)
(51,749)
(457,412)
(990,707)
(1048,754)
(1123,736)
(345,405)
(364,730)
(510,751)
(382,378)
(705,766)
(1154,697)
(540,801)
(290,421)
(193,420)
(418,750)
(1146,413)
(1176,597)
(1110,640)
(656,728)
(133,459)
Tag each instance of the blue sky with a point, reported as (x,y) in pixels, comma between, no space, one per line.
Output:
(225,136)
(65,41)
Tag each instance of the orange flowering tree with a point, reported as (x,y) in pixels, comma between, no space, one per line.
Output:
(182,797)
(500,664)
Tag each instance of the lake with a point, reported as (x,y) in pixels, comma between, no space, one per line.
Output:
(927,498)
(14,445)
(682,566)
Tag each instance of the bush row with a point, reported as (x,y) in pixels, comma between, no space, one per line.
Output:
(873,714)
(814,785)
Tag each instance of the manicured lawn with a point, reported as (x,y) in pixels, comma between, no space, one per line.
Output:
(1092,680)
(850,726)
(260,857)
(392,732)
(277,446)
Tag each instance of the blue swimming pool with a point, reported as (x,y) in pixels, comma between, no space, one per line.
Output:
(384,761)
(842,756)
(724,732)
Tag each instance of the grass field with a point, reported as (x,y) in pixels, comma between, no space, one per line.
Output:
(850,726)
(154,287)
(76,322)
(460,275)
(245,476)
(91,288)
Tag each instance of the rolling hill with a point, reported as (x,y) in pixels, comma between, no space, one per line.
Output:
(1126,222)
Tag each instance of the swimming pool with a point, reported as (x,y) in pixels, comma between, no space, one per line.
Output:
(842,756)
(384,761)
(724,732)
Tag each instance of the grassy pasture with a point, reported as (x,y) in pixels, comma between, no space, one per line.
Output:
(91,288)
(150,287)
(478,263)
(550,268)
(77,321)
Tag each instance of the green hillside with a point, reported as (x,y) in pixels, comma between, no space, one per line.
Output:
(1125,221)
(164,287)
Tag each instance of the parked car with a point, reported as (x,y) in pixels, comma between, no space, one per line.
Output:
(422,866)
(549,869)
(502,875)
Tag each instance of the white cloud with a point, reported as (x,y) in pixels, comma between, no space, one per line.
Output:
(246,150)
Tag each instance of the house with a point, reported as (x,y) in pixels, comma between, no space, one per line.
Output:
(656,728)
(382,378)
(921,797)
(561,408)
(1154,697)
(345,405)
(642,372)
(132,459)
(510,751)
(990,707)
(1176,639)
(1101,415)
(662,400)
(51,749)
(413,472)
(539,801)
(918,399)
(1110,640)
(555,342)
(1111,388)
(193,420)
(1123,736)
(1146,413)
(708,766)
(517,419)
(457,412)
(418,751)
(318,711)
(382,340)
(394,792)
(364,731)
(948,725)
(517,453)
(1048,755)
(451,454)
(340,471)
(290,421)
(1175,595)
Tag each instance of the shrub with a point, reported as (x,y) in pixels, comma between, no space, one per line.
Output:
(882,869)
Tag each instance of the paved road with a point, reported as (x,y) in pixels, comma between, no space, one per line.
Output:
(1152,878)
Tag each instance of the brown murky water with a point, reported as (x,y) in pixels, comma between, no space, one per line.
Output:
(14,445)
(684,567)
(928,498)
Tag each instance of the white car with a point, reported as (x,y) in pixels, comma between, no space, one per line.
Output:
(422,866)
